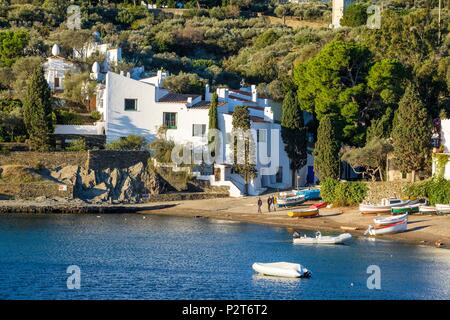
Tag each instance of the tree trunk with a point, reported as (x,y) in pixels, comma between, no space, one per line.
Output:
(294,178)
(413,175)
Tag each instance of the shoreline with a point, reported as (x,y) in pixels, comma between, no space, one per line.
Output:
(424,230)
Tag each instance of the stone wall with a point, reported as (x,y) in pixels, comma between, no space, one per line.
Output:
(44,159)
(34,190)
(104,159)
(384,189)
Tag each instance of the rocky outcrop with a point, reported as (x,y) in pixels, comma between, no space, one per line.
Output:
(129,185)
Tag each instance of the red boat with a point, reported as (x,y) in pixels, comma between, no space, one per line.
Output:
(319,205)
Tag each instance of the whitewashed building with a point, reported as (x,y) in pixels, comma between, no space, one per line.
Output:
(142,107)
(56,68)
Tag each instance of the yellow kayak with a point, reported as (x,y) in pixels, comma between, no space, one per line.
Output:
(307,212)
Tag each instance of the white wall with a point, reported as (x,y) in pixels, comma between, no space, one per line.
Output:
(95,129)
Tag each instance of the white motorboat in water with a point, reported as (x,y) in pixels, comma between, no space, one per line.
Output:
(319,239)
(391,219)
(388,228)
(385,206)
(282,269)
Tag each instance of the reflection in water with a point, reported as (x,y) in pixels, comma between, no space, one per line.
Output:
(129,257)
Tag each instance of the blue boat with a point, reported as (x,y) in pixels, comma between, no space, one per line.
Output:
(310,194)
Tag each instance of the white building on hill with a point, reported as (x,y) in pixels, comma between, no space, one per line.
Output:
(56,68)
(142,107)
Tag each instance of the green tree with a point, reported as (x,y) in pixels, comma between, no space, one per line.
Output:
(244,163)
(12,45)
(37,111)
(185,83)
(354,15)
(326,151)
(372,157)
(334,82)
(411,133)
(294,133)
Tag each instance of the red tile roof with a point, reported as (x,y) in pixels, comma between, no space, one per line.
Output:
(172,97)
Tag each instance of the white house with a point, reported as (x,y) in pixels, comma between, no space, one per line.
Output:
(142,107)
(55,69)
(338,8)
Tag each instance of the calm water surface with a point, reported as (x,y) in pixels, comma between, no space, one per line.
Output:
(128,257)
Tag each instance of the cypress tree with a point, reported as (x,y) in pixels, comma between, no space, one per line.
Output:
(326,151)
(293,133)
(411,133)
(213,124)
(213,111)
(241,124)
(37,111)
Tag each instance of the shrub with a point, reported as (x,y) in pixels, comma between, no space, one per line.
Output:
(131,142)
(343,193)
(161,150)
(96,116)
(77,145)
(436,190)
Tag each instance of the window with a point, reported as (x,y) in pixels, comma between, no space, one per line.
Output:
(56,82)
(198,130)
(279,176)
(404,175)
(170,120)
(261,135)
(130,104)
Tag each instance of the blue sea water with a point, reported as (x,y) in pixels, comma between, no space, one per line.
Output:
(129,257)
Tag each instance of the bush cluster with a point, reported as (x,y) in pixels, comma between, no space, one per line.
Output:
(343,193)
(436,190)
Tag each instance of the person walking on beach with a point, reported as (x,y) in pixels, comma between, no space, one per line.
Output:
(274,203)
(269,203)
(259,205)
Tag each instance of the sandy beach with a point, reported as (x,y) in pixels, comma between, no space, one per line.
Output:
(422,229)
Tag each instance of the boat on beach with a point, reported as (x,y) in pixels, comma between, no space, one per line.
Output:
(387,229)
(319,239)
(309,193)
(282,269)
(443,208)
(319,205)
(427,209)
(289,200)
(303,213)
(390,220)
(409,208)
(385,206)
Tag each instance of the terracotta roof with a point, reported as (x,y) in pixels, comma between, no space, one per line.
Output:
(246,93)
(172,97)
(254,118)
(257,119)
(205,105)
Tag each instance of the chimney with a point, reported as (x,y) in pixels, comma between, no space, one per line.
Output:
(128,75)
(254,93)
(207,93)
(159,78)
(121,73)
(189,101)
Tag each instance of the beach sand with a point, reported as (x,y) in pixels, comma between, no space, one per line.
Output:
(422,229)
